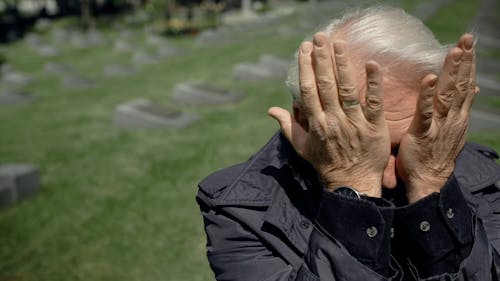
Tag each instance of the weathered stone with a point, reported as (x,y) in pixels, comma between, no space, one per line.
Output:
(252,72)
(59,35)
(14,97)
(33,39)
(47,50)
(193,93)
(167,51)
(143,114)
(123,46)
(484,121)
(141,57)
(73,81)
(87,39)
(43,24)
(15,78)
(118,70)
(278,65)
(57,68)
(487,82)
(17,182)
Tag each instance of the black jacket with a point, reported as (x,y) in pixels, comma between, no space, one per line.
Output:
(269,219)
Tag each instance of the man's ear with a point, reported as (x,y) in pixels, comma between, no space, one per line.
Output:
(300,116)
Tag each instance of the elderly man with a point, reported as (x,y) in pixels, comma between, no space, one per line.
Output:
(371,178)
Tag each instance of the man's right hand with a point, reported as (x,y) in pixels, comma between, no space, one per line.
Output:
(345,141)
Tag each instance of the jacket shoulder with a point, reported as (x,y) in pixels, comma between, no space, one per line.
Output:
(214,184)
(476,167)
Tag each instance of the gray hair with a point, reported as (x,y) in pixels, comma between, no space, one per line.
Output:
(399,42)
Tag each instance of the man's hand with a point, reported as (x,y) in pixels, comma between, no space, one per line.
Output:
(427,153)
(346,142)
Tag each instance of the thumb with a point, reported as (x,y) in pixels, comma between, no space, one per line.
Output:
(284,118)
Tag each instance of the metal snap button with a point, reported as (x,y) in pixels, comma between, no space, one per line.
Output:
(450,214)
(392,232)
(425,226)
(305,224)
(371,231)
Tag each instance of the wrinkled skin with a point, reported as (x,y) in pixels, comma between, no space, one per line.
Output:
(369,137)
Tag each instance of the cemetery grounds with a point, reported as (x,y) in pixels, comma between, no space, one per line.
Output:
(119,204)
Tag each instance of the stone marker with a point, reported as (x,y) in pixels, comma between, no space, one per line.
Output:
(141,57)
(57,68)
(17,182)
(195,93)
(483,121)
(46,50)
(59,35)
(14,78)
(143,114)
(13,97)
(167,51)
(269,67)
(87,39)
(123,46)
(73,81)
(112,70)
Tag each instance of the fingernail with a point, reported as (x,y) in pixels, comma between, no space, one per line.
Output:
(319,41)
(457,55)
(306,48)
(468,44)
(339,48)
(433,82)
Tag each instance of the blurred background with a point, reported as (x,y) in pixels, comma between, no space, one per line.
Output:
(111,112)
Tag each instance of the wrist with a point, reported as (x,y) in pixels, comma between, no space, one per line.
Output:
(418,188)
(371,188)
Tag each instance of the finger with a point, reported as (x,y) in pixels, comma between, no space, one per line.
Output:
(446,83)
(374,110)
(308,90)
(325,78)
(290,128)
(422,120)
(473,88)
(463,83)
(348,90)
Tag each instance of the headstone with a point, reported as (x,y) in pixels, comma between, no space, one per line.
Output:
(15,78)
(43,24)
(33,40)
(269,67)
(123,46)
(251,72)
(59,35)
(112,70)
(155,40)
(15,97)
(17,182)
(87,39)
(193,93)
(143,114)
(276,64)
(57,68)
(167,51)
(141,57)
(487,82)
(47,50)
(484,121)
(73,81)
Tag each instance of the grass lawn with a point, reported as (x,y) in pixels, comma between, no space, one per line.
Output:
(119,205)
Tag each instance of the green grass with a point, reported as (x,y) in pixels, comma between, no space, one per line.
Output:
(119,205)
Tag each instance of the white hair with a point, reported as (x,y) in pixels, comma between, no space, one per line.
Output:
(399,42)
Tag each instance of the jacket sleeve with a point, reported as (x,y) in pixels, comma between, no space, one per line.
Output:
(440,238)
(237,253)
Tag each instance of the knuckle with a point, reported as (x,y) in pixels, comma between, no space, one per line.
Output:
(325,83)
(374,102)
(307,87)
(348,91)
(462,86)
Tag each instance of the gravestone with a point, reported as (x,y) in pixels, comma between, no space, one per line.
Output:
(57,68)
(121,45)
(46,50)
(141,58)
(484,121)
(59,35)
(33,40)
(269,67)
(113,70)
(251,72)
(195,93)
(167,51)
(143,114)
(155,40)
(74,81)
(15,97)
(17,182)
(88,39)
(13,77)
